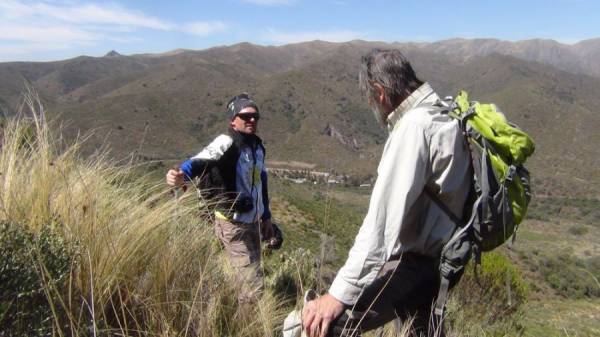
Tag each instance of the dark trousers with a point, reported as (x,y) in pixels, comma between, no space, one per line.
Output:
(406,289)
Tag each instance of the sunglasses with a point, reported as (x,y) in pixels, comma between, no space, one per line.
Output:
(248,116)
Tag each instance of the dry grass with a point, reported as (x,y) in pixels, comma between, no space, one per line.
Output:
(143,263)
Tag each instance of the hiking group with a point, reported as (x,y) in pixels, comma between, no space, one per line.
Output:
(423,191)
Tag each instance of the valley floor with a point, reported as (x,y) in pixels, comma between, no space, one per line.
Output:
(557,249)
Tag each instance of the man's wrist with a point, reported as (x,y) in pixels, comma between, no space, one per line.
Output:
(345,292)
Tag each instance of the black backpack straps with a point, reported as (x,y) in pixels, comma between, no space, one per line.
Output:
(454,256)
(440,302)
(434,196)
(262,147)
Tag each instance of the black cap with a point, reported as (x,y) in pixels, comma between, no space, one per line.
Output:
(238,103)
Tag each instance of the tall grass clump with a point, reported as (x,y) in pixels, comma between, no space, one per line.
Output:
(103,252)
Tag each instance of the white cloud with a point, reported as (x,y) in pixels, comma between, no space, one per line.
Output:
(24,48)
(201,28)
(281,37)
(94,14)
(270,2)
(28,51)
(78,14)
(65,34)
(37,25)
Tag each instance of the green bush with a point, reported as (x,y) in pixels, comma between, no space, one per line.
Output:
(578,229)
(586,211)
(293,274)
(569,275)
(488,298)
(29,265)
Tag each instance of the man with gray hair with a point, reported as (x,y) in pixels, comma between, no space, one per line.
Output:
(392,268)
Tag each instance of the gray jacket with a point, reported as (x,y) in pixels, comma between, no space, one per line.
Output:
(424,148)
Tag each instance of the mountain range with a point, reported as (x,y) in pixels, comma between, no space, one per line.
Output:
(167,106)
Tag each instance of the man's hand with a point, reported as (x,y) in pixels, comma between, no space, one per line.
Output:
(318,314)
(267,229)
(174,178)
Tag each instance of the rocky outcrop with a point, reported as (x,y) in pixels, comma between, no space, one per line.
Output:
(112,53)
(349,142)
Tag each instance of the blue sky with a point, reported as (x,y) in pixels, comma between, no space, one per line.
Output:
(43,30)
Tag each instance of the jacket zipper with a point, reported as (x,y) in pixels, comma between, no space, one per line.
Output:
(253,148)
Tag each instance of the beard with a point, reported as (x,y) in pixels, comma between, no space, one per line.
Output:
(380,115)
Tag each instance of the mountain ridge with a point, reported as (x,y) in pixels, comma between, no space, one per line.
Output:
(169,106)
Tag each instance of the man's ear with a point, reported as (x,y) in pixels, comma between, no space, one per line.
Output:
(380,93)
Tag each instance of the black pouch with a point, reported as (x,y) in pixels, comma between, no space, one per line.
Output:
(243,203)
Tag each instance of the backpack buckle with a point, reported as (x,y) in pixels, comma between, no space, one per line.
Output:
(512,170)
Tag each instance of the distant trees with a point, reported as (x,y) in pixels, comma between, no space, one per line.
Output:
(319,177)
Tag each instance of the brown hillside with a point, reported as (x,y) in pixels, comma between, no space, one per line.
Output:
(167,106)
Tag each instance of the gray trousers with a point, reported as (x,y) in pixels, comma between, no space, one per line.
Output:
(242,244)
(404,289)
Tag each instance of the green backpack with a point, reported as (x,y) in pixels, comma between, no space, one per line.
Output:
(500,191)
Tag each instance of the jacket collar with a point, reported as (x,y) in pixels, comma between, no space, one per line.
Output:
(240,138)
(416,97)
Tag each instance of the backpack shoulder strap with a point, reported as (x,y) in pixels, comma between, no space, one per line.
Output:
(434,196)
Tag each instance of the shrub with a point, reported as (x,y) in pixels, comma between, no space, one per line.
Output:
(578,230)
(488,298)
(293,274)
(30,264)
(569,275)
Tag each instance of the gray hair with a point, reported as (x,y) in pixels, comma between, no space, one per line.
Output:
(391,70)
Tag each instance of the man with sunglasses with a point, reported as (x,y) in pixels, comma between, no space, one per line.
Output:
(232,172)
